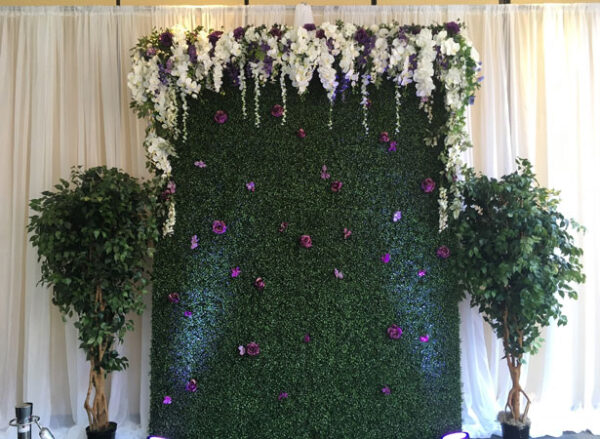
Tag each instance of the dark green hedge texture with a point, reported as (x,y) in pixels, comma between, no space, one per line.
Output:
(334,382)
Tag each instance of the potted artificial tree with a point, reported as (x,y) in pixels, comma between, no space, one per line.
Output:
(517,259)
(93,237)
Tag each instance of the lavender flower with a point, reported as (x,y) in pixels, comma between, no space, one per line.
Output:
(250,186)
(200,164)
(187,313)
(194,242)
(282,395)
(235,272)
(422,273)
(392,147)
(167,400)
(397,216)
(424,338)
(386,390)
(192,385)
(386,258)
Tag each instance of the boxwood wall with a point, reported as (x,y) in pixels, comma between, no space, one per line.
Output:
(335,383)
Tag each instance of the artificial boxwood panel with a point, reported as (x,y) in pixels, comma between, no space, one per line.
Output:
(334,382)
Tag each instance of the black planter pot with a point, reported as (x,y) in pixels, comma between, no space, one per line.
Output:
(514,432)
(109,433)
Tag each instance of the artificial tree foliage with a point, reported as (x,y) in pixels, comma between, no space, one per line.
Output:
(94,235)
(517,258)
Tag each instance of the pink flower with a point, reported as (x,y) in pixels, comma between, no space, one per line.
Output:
(283,226)
(384,137)
(200,164)
(306,241)
(173,297)
(428,185)
(443,252)
(422,273)
(386,258)
(235,272)
(194,242)
(347,233)
(167,400)
(282,395)
(306,338)
(424,338)
(187,313)
(386,390)
(397,216)
(192,385)
(338,274)
(392,147)
(394,332)
(219,227)
(220,117)
(242,350)
(324,174)
(259,284)
(277,111)
(252,349)
(301,133)
(336,186)
(250,186)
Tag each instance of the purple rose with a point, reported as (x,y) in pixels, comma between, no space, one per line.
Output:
(219,227)
(252,349)
(238,33)
(443,252)
(320,34)
(394,332)
(453,28)
(173,297)
(362,36)
(336,186)
(275,32)
(220,117)
(259,284)
(301,133)
(306,241)
(192,385)
(277,111)
(428,185)
(214,37)
(306,338)
(242,350)
(282,395)
(386,390)
(310,26)
(384,137)
(166,39)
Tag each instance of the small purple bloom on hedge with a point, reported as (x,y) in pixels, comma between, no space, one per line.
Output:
(171,187)
(306,241)
(250,186)
(386,390)
(310,26)
(394,332)
(282,395)
(393,145)
(252,349)
(338,273)
(277,110)
(443,252)
(422,273)
(259,284)
(192,385)
(424,338)
(235,272)
(301,133)
(173,297)
(283,226)
(453,28)
(238,33)
(324,174)
(428,185)
(242,350)
(187,313)
(336,186)
(200,164)
(306,338)
(347,233)
(386,258)
(194,242)
(220,117)
(320,34)
(167,400)
(384,137)
(397,216)
(166,39)
(219,227)
(215,36)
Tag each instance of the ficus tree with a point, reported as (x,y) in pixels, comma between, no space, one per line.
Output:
(94,236)
(517,258)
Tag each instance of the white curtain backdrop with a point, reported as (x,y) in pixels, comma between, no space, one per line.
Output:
(64,101)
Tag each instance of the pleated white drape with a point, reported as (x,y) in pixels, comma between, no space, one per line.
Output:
(64,101)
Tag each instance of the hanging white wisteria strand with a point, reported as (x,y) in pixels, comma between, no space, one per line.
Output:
(171,65)
(283,98)
(397,97)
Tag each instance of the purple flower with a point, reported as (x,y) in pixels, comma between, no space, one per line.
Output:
(219,227)
(214,37)
(173,297)
(386,258)
(220,117)
(150,52)
(347,233)
(301,133)
(200,164)
(187,313)
(320,34)
(422,273)
(310,26)
(338,273)
(282,395)
(192,385)
(384,137)
(428,185)
(275,32)
(386,390)
(362,36)
(336,186)
(306,241)
(235,272)
(453,28)
(392,147)
(283,226)
(238,33)
(394,332)
(194,241)
(424,338)
(242,350)
(277,110)
(167,400)
(259,284)
(443,252)
(306,338)
(324,174)
(250,186)
(171,187)
(166,39)
(193,53)
(252,349)
(397,216)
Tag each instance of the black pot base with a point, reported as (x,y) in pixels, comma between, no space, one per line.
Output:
(514,432)
(109,433)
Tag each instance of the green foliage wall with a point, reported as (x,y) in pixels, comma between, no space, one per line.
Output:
(333,382)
